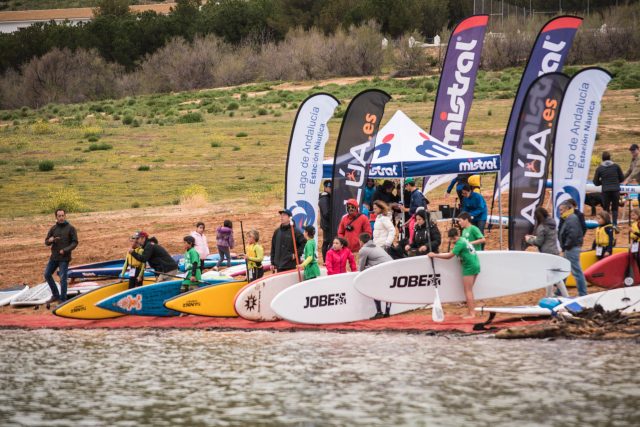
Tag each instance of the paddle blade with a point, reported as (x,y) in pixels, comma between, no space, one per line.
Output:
(437,313)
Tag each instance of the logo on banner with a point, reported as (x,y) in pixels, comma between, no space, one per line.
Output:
(380,171)
(457,91)
(356,173)
(551,60)
(303,214)
(383,149)
(432,149)
(478,165)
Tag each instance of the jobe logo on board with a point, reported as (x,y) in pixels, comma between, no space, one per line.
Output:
(358,161)
(325,300)
(413,281)
(457,91)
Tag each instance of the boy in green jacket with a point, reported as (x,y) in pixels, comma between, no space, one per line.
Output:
(310,263)
(191,263)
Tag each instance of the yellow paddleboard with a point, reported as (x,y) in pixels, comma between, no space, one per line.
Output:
(587,259)
(214,300)
(84,305)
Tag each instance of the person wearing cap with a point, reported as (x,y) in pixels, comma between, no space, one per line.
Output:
(633,173)
(609,176)
(284,254)
(163,264)
(352,225)
(132,268)
(63,239)
(416,198)
(324,205)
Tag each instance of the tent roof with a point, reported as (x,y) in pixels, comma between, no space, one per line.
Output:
(403,149)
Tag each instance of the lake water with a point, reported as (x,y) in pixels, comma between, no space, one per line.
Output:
(168,378)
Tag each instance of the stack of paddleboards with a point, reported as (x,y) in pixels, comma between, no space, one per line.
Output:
(9,294)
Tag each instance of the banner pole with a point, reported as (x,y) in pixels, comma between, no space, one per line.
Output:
(500,206)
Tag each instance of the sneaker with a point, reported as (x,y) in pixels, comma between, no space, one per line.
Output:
(377,316)
(386,315)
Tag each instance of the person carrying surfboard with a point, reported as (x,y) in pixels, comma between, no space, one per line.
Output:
(191,264)
(470,232)
(604,241)
(310,263)
(466,252)
(369,255)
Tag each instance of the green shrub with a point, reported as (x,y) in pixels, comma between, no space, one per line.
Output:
(127,120)
(103,146)
(64,198)
(233,106)
(469,142)
(489,113)
(144,168)
(93,139)
(45,166)
(135,123)
(241,135)
(135,205)
(262,112)
(216,144)
(236,148)
(191,118)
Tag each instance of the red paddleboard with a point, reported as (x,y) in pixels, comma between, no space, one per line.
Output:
(610,272)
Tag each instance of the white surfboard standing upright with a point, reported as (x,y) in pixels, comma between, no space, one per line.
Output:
(502,273)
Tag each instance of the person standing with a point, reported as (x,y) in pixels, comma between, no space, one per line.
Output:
(63,239)
(369,255)
(546,240)
(202,245)
(571,239)
(224,241)
(254,256)
(369,189)
(193,273)
(416,198)
(604,241)
(383,230)
(324,205)
(310,263)
(474,204)
(163,264)
(609,176)
(283,255)
(633,173)
(470,232)
(352,225)
(339,256)
(133,268)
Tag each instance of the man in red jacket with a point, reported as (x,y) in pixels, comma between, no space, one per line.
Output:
(352,225)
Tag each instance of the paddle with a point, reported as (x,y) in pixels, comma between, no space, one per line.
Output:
(437,313)
(295,250)
(629,279)
(244,249)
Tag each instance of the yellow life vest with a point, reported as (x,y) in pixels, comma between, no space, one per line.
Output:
(635,228)
(602,238)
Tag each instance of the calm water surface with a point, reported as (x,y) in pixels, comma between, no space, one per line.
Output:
(168,378)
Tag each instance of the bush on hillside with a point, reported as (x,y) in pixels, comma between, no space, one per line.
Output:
(46,166)
(191,118)
(64,198)
(194,195)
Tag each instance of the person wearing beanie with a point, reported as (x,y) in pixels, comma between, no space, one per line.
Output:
(352,225)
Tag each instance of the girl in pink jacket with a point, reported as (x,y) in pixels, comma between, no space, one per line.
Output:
(338,257)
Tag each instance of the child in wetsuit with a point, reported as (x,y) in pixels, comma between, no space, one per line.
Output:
(310,263)
(603,243)
(132,266)
(191,264)
(470,266)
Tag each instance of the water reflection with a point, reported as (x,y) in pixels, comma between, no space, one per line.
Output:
(129,378)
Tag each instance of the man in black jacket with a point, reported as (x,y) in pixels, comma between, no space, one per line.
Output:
(283,255)
(324,204)
(63,239)
(609,175)
(571,239)
(158,258)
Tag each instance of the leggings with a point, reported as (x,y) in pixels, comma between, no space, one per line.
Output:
(224,251)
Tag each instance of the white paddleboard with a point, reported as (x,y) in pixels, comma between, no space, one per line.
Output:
(253,302)
(6,295)
(39,294)
(523,310)
(329,299)
(502,273)
(626,299)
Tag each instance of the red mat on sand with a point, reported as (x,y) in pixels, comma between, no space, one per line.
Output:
(399,323)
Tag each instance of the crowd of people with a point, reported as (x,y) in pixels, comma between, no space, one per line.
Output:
(390,223)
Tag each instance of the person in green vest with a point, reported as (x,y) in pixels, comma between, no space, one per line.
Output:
(191,263)
(471,232)
(465,251)
(310,256)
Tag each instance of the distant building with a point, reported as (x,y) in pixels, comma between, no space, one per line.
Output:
(12,21)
